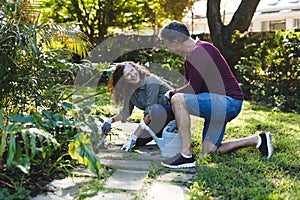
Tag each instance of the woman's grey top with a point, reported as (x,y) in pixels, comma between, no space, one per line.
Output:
(151,91)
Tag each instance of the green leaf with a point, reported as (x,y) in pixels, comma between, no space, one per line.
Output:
(59,124)
(21,118)
(11,128)
(24,165)
(58,117)
(19,153)
(81,149)
(26,142)
(68,105)
(38,119)
(11,149)
(86,104)
(3,143)
(1,119)
(47,114)
(33,145)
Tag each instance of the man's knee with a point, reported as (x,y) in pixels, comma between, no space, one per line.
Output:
(177,99)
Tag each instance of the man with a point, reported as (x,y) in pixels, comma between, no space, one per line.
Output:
(210,91)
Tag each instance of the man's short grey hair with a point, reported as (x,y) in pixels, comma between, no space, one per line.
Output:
(175,31)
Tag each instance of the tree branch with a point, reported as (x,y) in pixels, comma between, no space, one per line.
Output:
(221,35)
(242,17)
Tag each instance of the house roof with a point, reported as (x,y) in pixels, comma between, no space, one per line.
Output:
(270,6)
(264,6)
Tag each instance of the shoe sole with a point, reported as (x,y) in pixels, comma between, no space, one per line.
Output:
(269,144)
(186,165)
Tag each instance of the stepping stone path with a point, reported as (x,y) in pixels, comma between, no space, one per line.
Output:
(137,175)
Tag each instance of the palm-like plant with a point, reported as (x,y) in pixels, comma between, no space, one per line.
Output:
(34,55)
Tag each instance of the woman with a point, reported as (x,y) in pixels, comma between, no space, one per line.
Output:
(133,85)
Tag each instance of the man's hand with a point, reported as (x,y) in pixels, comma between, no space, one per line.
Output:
(129,144)
(167,97)
(106,126)
(172,127)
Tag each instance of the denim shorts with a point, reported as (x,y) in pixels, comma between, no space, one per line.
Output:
(216,109)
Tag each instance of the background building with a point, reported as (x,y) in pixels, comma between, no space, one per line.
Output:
(270,15)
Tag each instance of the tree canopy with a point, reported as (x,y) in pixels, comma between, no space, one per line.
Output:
(96,18)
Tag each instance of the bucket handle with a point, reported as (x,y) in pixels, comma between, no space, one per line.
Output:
(145,127)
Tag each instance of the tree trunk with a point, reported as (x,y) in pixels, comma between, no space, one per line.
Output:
(221,34)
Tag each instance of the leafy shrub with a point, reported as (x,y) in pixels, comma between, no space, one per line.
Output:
(269,68)
(21,193)
(34,57)
(42,140)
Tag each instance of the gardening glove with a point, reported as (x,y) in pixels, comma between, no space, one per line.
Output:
(129,144)
(106,126)
(167,97)
(100,143)
(172,126)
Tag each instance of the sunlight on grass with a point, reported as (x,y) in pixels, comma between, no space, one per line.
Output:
(245,174)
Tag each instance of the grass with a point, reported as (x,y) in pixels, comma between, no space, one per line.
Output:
(245,174)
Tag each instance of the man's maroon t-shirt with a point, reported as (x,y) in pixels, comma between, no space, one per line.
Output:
(206,70)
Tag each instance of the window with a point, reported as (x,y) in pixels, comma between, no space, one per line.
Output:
(297,23)
(277,25)
(264,26)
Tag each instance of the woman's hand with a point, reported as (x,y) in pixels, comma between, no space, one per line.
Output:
(106,126)
(129,144)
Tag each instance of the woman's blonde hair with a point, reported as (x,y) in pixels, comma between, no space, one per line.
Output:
(117,87)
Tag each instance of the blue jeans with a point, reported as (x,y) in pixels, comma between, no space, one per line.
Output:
(216,109)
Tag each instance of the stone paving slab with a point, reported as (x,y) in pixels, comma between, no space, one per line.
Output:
(160,191)
(176,176)
(79,172)
(111,147)
(65,188)
(127,128)
(110,155)
(68,193)
(126,180)
(66,183)
(112,196)
(47,197)
(150,148)
(156,157)
(149,152)
(133,164)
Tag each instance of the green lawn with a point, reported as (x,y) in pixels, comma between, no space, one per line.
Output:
(245,174)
